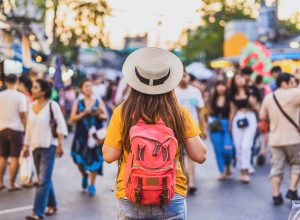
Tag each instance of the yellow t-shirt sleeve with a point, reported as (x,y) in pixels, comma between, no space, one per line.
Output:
(192,129)
(114,131)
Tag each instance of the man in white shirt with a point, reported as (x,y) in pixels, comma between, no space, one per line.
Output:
(191,98)
(284,137)
(12,123)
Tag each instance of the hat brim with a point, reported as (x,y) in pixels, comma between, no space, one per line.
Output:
(176,73)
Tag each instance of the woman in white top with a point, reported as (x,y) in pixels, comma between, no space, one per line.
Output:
(42,140)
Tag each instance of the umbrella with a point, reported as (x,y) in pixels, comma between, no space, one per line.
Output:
(199,71)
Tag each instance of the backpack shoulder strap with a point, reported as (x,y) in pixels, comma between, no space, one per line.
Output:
(51,111)
(285,114)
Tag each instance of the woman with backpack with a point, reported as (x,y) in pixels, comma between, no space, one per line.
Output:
(146,133)
(88,114)
(45,131)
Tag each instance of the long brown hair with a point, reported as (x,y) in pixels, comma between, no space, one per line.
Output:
(150,108)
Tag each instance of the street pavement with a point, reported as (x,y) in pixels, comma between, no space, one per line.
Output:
(228,200)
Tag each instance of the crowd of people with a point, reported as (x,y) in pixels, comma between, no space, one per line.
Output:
(245,118)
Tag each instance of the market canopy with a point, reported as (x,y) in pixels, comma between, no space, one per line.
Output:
(294,55)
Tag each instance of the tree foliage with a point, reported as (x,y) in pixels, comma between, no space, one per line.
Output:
(208,38)
(82,22)
(74,22)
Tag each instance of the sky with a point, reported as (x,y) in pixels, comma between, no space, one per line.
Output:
(136,17)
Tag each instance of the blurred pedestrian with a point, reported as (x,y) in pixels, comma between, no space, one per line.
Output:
(99,87)
(110,95)
(263,89)
(191,98)
(243,123)
(44,136)
(24,86)
(122,92)
(13,115)
(275,72)
(282,110)
(153,74)
(67,98)
(219,128)
(294,82)
(88,114)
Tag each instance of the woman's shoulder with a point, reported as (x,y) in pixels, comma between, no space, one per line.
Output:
(185,111)
(118,110)
(55,106)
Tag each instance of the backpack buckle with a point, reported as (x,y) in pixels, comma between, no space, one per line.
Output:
(164,194)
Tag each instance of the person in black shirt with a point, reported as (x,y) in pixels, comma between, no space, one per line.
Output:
(243,122)
(219,110)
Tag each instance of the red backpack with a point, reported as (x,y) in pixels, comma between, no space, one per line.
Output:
(150,175)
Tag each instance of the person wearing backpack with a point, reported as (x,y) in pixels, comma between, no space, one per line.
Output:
(145,135)
(281,109)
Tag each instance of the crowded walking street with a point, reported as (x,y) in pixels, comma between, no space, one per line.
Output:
(150,109)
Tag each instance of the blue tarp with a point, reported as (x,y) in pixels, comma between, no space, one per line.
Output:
(295,55)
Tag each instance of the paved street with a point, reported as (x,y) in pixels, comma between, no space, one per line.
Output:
(214,200)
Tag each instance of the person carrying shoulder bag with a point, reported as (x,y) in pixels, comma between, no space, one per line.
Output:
(44,136)
(282,110)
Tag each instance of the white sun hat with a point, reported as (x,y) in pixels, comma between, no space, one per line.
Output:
(152,70)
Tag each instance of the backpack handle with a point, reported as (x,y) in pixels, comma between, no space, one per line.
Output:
(160,122)
(142,161)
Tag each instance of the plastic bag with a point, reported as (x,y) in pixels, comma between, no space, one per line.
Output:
(92,142)
(95,135)
(26,170)
(295,213)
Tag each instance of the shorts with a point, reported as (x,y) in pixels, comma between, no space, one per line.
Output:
(280,156)
(11,143)
(175,209)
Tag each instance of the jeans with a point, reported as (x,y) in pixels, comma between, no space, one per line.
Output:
(175,210)
(223,145)
(45,196)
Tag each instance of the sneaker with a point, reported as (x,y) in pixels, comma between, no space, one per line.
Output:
(85,180)
(91,190)
(292,195)
(245,179)
(278,200)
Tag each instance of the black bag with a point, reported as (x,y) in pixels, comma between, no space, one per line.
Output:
(53,123)
(243,123)
(216,126)
(261,160)
(286,115)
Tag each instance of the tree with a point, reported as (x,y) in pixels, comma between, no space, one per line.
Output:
(209,37)
(74,22)
(78,23)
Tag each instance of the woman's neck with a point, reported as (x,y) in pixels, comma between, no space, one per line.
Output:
(240,91)
(41,100)
(88,97)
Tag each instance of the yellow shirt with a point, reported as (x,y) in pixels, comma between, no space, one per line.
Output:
(114,139)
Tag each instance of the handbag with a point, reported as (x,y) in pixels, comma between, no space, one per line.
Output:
(286,115)
(53,123)
(216,125)
(243,123)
